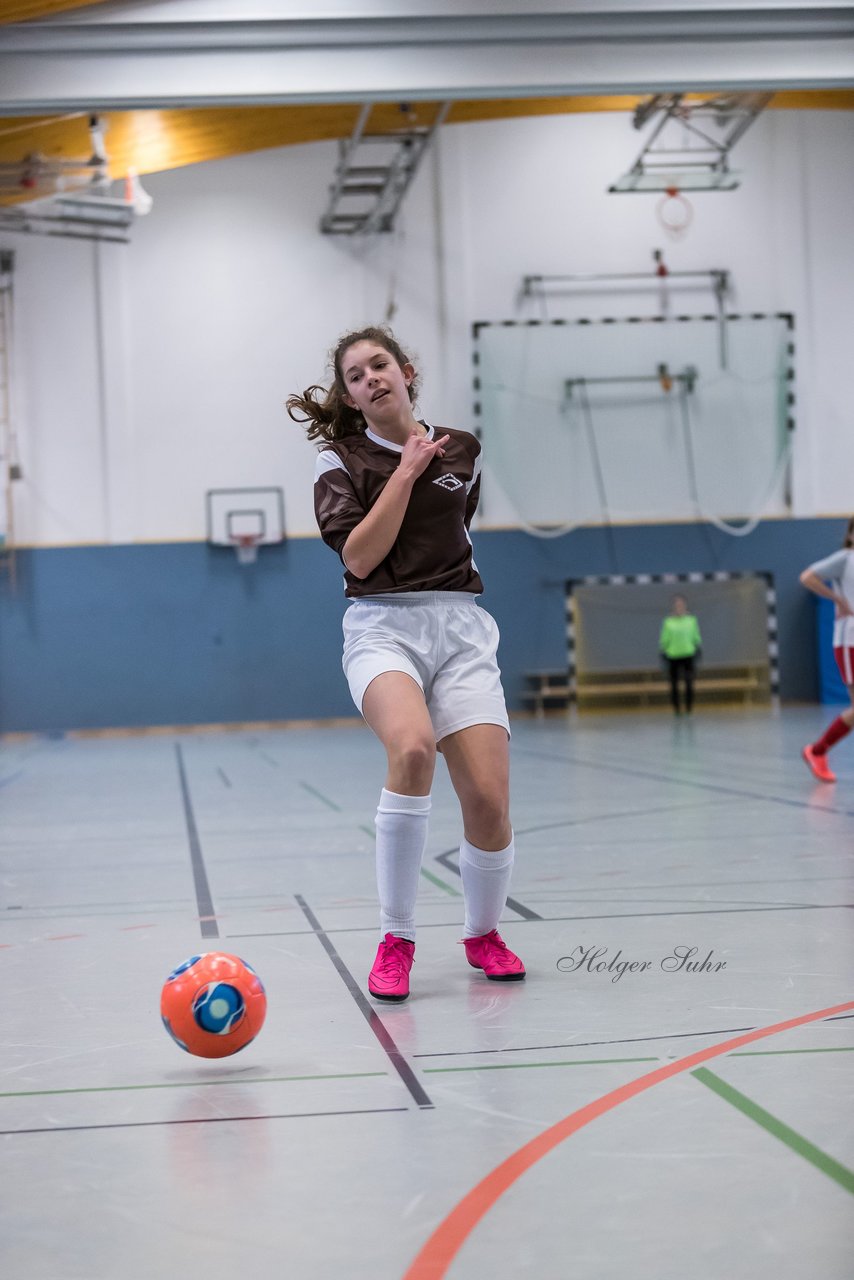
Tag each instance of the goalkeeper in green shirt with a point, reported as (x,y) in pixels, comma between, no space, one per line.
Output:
(680,645)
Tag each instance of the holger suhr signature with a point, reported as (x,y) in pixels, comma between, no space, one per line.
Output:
(681,959)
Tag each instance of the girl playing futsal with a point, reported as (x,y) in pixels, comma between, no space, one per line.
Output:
(394,497)
(838,571)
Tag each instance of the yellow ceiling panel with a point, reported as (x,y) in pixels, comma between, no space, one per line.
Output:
(154,141)
(26,10)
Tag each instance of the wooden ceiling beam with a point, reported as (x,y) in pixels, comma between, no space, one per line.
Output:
(28,10)
(155,141)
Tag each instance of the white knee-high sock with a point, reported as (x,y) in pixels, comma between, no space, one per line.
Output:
(486,879)
(401,836)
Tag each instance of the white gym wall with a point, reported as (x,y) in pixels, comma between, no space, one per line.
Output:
(149,373)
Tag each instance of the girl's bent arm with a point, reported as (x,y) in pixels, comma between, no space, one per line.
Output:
(814,583)
(370,542)
(372,539)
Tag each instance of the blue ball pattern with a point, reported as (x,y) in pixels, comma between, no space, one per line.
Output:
(182,968)
(218,1008)
(167,1024)
(248,966)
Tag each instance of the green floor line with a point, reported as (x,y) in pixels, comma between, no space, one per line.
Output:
(188,1084)
(370,830)
(314,791)
(775,1053)
(517,1066)
(428,875)
(825,1163)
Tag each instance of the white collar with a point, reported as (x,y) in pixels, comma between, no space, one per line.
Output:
(389,444)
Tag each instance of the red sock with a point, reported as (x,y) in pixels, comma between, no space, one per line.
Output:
(832,734)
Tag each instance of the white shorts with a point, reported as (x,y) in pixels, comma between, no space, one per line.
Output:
(443,640)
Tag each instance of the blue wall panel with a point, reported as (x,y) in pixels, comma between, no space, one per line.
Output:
(172,634)
(180,634)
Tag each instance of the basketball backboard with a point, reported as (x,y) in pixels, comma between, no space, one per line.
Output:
(245,519)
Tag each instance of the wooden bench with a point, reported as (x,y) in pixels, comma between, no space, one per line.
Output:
(750,683)
(551,690)
(547,690)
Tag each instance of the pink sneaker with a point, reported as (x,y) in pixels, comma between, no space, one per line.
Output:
(494,957)
(818,764)
(389,978)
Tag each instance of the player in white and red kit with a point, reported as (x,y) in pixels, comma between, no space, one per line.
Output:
(833,578)
(394,497)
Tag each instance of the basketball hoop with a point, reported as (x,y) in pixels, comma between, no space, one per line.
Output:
(675,212)
(246,545)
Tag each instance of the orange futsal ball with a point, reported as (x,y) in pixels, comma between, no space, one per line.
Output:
(213,1005)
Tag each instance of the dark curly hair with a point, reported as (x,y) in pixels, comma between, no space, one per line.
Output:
(324,411)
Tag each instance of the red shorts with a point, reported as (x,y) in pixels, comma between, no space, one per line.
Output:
(844,655)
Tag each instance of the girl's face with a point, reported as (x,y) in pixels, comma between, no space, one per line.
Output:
(374,382)
(680,606)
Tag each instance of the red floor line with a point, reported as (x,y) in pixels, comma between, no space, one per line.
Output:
(443,1245)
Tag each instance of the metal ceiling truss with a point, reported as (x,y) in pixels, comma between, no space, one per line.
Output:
(70,197)
(374,173)
(690,145)
(71,217)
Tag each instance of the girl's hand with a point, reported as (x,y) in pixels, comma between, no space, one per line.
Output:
(843,607)
(419,452)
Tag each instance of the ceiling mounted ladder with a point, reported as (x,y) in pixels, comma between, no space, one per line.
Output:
(373,174)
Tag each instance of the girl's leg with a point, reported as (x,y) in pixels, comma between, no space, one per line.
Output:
(689,683)
(395,710)
(479,765)
(816,753)
(838,729)
(673,672)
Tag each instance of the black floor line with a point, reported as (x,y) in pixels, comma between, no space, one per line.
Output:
(179,904)
(204,901)
(158,1124)
(618,915)
(583,1044)
(398,1061)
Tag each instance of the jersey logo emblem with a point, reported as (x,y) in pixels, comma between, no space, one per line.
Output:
(448,482)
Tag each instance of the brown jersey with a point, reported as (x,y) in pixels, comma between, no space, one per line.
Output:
(433,551)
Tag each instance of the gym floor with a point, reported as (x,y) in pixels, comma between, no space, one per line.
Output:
(651,1122)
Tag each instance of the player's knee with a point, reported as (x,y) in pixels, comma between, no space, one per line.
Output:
(487,820)
(411,764)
